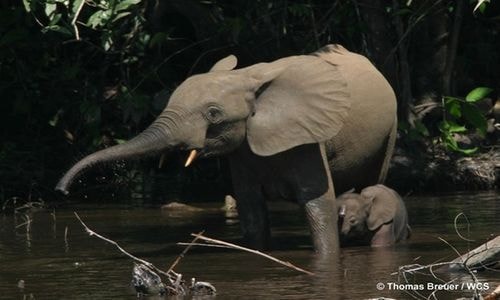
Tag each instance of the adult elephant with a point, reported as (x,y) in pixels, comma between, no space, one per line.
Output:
(284,126)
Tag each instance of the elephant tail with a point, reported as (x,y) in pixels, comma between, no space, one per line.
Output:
(408,229)
(389,150)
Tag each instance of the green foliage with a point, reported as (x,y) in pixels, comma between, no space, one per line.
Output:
(116,43)
(65,68)
(116,21)
(461,116)
(478,94)
(299,9)
(273,27)
(417,132)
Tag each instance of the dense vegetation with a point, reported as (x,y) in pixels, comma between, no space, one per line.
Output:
(80,75)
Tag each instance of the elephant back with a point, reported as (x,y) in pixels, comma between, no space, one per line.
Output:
(358,154)
(401,228)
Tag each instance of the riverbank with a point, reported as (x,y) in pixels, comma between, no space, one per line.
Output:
(436,170)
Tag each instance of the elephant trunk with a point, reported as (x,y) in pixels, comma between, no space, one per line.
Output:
(154,140)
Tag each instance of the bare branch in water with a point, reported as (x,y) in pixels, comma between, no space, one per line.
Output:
(145,271)
(218,243)
(456,227)
(486,256)
(27,222)
(479,258)
(175,279)
(181,256)
(137,259)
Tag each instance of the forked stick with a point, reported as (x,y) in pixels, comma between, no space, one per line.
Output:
(218,243)
(197,236)
(142,261)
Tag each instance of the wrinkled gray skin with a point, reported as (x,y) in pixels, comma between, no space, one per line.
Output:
(284,125)
(377,216)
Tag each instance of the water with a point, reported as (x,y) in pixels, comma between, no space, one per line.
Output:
(55,265)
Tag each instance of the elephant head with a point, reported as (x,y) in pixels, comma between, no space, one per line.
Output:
(363,212)
(353,212)
(376,215)
(263,105)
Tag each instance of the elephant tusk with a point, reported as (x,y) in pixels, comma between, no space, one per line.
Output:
(190,158)
(342,211)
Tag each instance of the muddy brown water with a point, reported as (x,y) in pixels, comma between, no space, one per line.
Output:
(76,266)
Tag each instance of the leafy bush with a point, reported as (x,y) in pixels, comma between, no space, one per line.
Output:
(461,116)
(75,76)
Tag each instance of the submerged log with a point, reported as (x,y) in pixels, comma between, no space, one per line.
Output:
(146,281)
(180,208)
(483,257)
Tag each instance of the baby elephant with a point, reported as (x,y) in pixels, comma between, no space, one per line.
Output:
(377,216)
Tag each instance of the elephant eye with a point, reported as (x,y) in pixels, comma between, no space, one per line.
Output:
(214,114)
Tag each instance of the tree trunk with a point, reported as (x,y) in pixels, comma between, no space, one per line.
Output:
(377,38)
(429,53)
(448,84)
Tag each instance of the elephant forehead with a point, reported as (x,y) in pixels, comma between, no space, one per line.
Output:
(352,202)
(209,87)
(349,197)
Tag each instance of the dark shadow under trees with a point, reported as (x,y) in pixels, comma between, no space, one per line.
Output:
(77,78)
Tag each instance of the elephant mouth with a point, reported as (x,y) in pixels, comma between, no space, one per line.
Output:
(213,146)
(219,139)
(215,132)
(222,138)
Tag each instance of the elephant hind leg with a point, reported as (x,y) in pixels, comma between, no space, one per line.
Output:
(391,142)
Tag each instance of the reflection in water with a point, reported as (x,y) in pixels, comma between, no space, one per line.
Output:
(56,259)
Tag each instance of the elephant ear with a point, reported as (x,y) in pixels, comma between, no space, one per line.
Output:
(352,190)
(226,64)
(301,100)
(382,209)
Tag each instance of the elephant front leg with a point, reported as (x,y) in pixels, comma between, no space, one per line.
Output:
(384,236)
(253,216)
(322,220)
(322,216)
(251,205)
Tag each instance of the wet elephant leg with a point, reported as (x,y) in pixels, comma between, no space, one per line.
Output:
(254,221)
(384,236)
(252,208)
(323,228)
(322,217)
